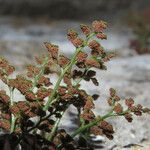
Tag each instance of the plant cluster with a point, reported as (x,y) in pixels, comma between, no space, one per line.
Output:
(140,24)
(33,123)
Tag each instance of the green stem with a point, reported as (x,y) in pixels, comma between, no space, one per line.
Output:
(88,38)
(39,75)
(13,119)
(109,114)
(82,128)
(60,79)
(54,129)
(68,67)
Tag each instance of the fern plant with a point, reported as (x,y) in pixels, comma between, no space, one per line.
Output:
(34,122)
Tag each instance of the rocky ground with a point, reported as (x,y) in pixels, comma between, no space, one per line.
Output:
(129,73)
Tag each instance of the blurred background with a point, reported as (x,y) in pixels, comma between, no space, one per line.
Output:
(26,24)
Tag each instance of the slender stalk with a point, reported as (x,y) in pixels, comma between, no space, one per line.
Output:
(108,115)
(54,129)
(40,73)
(13,119)
(82,128)
(60,79)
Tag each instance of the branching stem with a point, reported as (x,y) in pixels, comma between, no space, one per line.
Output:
(68,67)
(40,73)
(95,122)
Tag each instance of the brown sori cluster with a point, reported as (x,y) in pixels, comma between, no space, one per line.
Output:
(4,111)
(4,98)
(81,57)
(43,81)
(5,125)
(98,55)
(103,128)
(21,83)
(118,108)
(107,129)
(113,97)
(86,29)
(87,114)
(128,117)
(63,60)
(96,48)
(43,93)
(99,26)
(53,49)
(75,40)
(136,109)
(5,69)
(32,71)
(34,122)
(131,107)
